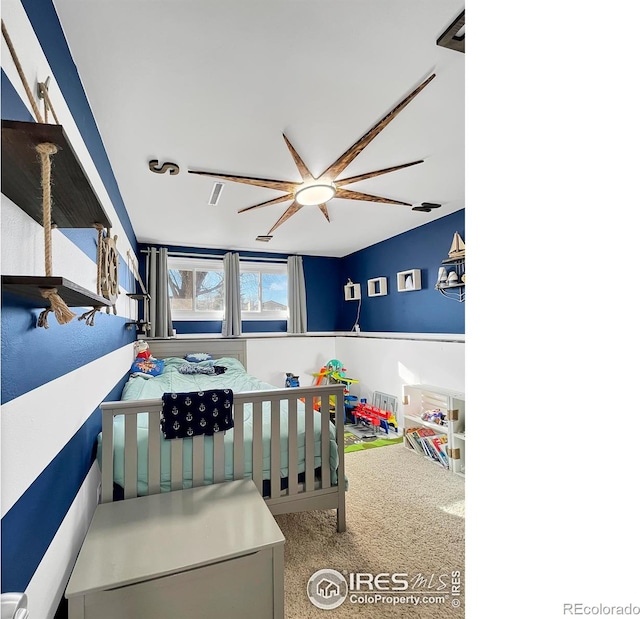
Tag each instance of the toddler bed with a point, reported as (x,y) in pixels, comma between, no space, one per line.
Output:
(271,428)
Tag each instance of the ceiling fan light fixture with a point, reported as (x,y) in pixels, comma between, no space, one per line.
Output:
(315,193)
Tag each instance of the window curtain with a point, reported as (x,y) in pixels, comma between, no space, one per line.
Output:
(232,323)
(297,295)
(158,286)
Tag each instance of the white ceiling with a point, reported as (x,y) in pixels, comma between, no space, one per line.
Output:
(212,85)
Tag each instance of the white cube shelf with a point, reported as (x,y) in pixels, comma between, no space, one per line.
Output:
(409,280)
(377,287)
(352,292)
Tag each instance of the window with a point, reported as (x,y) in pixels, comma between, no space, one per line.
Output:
(196,289)
(263,290)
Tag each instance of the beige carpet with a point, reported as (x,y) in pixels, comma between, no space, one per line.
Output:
(404,514)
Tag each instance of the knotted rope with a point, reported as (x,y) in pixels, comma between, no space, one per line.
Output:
(12,50)
(89,316)
(62,313)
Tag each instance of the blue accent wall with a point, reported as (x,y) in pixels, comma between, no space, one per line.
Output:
(322,278)
(419,311)
(12,106)
(34,356)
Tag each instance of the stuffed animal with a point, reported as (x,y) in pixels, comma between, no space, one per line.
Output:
(142,350)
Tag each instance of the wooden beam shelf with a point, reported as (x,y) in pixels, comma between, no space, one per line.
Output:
(72,294)
(74,202)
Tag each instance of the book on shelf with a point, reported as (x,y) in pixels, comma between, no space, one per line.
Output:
(420,438)
(412,440)
(424,435)
(440,442)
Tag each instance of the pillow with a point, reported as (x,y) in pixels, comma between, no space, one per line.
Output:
(195,357)
(148,367)
(197,368)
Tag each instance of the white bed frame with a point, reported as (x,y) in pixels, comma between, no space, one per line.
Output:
(313,493)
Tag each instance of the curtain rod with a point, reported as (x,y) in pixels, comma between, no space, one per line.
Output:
(177,254)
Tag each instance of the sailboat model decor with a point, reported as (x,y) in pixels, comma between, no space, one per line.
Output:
(457,247)
(451,284)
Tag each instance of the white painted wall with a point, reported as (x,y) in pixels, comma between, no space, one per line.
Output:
(380,363)
(270,358)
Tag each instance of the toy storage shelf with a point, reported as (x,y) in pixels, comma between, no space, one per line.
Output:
(75,204)
(418,398)
(72,294)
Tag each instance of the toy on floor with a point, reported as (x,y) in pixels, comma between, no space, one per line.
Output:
(374,416)
(331,373)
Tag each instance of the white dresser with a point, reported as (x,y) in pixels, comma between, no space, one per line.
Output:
(212,551)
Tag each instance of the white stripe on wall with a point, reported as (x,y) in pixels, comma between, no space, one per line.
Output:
(38,424)
(36,69)
(46,588)
(23,254)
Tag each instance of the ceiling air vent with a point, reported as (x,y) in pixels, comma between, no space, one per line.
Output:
(265,238)
(215,194)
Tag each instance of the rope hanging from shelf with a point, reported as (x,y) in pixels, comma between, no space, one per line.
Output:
(62,313)
(45,150)
(23,79)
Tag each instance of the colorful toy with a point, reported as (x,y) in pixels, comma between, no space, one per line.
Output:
(142,350)
(434,416)
(291,380)
(374,416)
(331,373)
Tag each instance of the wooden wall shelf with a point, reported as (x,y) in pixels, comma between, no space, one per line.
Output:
(72,294)
(74,202)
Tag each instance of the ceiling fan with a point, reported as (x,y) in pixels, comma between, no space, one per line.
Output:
(318,191)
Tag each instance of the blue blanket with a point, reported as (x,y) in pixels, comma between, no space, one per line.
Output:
(196,412)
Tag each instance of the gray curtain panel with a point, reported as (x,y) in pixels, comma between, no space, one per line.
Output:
(297,294)
(232,323)
(158,286)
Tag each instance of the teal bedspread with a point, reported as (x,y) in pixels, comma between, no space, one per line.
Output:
(235,378)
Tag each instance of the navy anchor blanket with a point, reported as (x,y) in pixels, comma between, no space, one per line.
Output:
(196,412)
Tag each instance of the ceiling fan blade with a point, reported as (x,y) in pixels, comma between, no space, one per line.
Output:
(365,197)
(277,200)
(336,168)
(292,210)
(301,165)
(325,212)
(269,183)
(362,177)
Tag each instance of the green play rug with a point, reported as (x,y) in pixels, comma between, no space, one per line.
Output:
(355,443)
